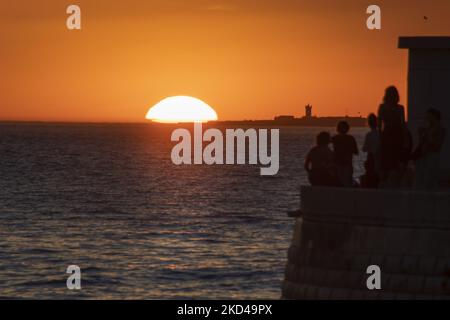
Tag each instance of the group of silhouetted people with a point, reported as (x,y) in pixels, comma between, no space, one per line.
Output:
(392,159)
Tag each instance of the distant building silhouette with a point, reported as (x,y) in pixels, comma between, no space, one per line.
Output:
(308,120)
(284,118)
(308,111)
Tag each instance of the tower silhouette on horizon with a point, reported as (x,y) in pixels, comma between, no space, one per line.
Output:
(308,111)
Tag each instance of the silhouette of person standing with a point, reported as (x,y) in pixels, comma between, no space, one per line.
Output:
(345,148)
(427,153)
(319,162)
(372,147)
(391,122)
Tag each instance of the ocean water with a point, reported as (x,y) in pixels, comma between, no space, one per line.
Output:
(108,199)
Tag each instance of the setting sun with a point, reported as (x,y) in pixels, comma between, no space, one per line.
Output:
(181,109)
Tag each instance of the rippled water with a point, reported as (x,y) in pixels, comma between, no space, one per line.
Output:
(109,199)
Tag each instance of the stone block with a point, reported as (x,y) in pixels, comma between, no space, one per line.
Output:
(336,278)
(398,283)
(309,233)
(287,290)
(295,272)
(435,285)
(358,240)
(415,284)
(298,255)
(332,236)
(292,257)
(375,240)
(410,265)
(342,202)
(318,258)
(437,241)
(340,294)
(307,276)
(397,240)
(319,277)
(360,262)
(293,291)
(442,267)
(299,292)
(427,265)
(307,199)
(311,292)
(440,244)
(287,272)
(420,243)
(424,297)
(296,238)
(442,212)
(378,260)
(339,202)
(368,207)
(323,293)
(302,275)
(356,280)
(392,264)
(385,281)
(421,206)
(386,295)
(372,294)
(395,205)
(405,296)
(338,261)
(357,295)
(442,297)
(302,291)
(347,260)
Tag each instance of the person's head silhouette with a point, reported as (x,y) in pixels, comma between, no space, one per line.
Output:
(372,120)
(343,127)
(323,139)
(391,96)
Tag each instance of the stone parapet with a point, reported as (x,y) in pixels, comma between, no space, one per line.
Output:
(343,231)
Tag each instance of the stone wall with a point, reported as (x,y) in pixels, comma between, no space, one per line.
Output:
(343,231)
(428,82)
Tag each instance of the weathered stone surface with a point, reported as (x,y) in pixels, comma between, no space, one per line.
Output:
(427,265)
(435,285)
(442,267)
(392,264)
(331,250)
(410,265)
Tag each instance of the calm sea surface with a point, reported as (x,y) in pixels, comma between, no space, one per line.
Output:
(108,199)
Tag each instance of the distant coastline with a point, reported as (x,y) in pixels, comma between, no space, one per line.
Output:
(308,120)
(278,121)
(299,122)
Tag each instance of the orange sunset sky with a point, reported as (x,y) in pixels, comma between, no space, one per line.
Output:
(248,59)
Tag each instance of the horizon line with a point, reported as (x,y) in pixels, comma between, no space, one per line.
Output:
(145,122)
(154,122)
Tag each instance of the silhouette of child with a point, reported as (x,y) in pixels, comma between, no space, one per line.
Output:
(319,162)
(345,147)
(372,148)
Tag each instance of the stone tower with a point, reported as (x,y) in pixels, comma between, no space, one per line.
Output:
(308,111)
